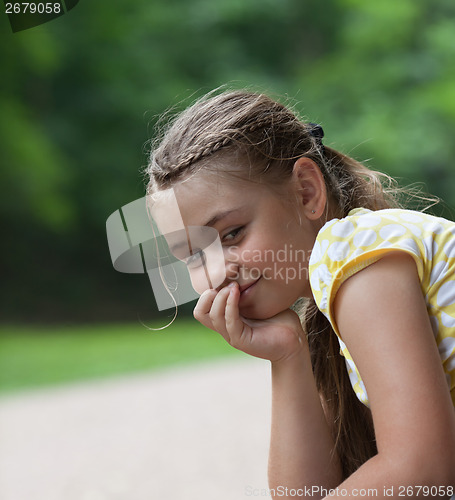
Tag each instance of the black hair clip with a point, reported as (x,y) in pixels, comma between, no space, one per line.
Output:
(317,132)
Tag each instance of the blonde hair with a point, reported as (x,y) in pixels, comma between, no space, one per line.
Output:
(221,132)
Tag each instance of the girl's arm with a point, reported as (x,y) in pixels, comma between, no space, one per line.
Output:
(301,446)
(382,317)
(301,450)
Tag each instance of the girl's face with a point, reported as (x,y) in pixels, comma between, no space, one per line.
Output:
(265,240)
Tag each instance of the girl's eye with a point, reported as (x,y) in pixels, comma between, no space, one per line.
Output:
(232,235)
(196,259)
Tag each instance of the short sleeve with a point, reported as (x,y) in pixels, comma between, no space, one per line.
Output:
(344,247)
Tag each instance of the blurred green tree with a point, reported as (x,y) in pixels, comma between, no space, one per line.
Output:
(387,90)
(80,95)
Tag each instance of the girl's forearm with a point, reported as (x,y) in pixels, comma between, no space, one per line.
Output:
(301,460)
(301,447)
(395,477)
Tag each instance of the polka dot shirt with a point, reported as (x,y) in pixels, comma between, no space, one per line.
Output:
(345,246)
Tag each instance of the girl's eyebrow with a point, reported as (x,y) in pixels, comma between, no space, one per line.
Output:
(217,217)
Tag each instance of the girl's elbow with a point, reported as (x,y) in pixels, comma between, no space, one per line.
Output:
(443,464)
(449,469)
(425,462)
(436,467)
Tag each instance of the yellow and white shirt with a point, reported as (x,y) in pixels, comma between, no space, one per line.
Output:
(345,246)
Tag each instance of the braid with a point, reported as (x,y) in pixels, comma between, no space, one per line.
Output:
(166,171)
(202,152)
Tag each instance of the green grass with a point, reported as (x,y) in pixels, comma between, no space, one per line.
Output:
(33,357)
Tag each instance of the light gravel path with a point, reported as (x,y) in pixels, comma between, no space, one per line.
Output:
(200,432)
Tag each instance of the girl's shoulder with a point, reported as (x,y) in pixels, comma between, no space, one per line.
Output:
(386,220)
(364,229)
(345,246)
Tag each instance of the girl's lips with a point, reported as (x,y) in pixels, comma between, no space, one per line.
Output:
(247,286)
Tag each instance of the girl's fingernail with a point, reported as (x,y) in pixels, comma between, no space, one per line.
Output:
(232,284)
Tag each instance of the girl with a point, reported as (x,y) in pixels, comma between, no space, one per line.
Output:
(363,378)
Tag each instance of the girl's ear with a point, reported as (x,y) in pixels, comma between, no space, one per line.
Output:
(310,185)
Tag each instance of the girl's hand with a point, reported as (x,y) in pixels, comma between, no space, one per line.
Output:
(277,338)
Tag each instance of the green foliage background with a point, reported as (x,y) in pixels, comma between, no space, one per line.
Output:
(79,97)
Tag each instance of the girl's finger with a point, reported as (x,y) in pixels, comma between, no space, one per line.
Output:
(234,325)
(204,305)
(218,312)
(204,313)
